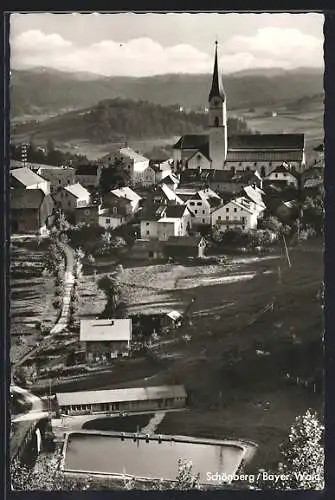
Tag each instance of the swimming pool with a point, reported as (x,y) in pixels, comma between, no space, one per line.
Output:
(153,458)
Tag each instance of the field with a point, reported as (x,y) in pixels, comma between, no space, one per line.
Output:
(31,294)
(251,325)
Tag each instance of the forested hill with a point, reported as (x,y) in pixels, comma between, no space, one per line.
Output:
(51,91)
(117,119)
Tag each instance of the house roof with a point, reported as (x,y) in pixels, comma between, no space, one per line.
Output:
(170,178)
(27,199)
(120,395)
(174,315)
(175,211)
(77,190)
(26,177)
(254,195)
(95,330)
(204,150)
(87,169)
(133,155)
(191,141)
(170,195)
(184,241)
(127,193)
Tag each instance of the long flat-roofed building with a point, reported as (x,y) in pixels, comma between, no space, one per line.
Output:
(129,399)
(105,339)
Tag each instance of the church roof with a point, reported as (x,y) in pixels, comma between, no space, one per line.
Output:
(267,141)
(192,141)
(263,155)
(217,86)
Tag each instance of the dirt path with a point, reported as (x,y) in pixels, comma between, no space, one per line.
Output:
(62,320)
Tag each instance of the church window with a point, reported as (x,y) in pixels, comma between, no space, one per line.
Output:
(270,163)
(216,121)
(276,176)
(203,211)
(235,209)
(227,209)
(255,164)
(247,169)
(219,217)
(195,211)
(240,164)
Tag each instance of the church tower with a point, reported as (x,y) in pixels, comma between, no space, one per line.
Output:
(218,141)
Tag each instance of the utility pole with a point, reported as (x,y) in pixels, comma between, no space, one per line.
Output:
(286,251)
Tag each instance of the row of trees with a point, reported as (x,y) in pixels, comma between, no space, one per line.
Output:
(50,155)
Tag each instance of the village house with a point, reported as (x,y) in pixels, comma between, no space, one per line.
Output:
(31,211)
(162,168)
(140,172)
(105,339)
(237,213)
(171,181)
(24,178)
(57,176)
(163,194)
(88,175)
(87,215)
(118,207)
(283,175)
(180,247)
(165,221)
(72,197)
(200,203)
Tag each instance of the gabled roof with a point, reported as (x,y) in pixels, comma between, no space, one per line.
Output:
(127,193)
(26,177)
(77,190)
(170,195)
(217,86)
(282,169)
(28,199)
(95,330)
(254,196)
(191,141)
(203,150)
(133,155)
(170,178)
(175,211)
(267,142)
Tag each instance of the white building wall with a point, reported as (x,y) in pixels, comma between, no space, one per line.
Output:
(283,176)
(149,230)
(201,211)
(198,161)
(269,166)
(110,222)
(229,213)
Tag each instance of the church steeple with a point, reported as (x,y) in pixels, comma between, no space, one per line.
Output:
(217,87)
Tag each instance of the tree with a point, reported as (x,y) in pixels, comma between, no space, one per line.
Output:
(112,290)
(114,176)
(303,454)
(186,479)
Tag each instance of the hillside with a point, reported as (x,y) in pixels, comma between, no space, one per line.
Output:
(117,119)
(49,91)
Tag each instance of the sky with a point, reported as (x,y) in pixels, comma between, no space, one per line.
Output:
(130,44)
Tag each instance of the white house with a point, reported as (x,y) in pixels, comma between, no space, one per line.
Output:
(138,167)
(161,169)
(126,193)
(237,213)
(110,219)
(200,203)
(104,339)
(57,176)
(71,197)
(282,174)
(255,196)
(165,221)
(25,178)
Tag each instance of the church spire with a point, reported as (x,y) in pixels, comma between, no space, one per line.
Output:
(217,87)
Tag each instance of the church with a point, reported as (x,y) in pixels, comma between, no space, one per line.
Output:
(214,151)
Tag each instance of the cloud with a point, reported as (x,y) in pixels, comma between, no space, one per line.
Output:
(269,47)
